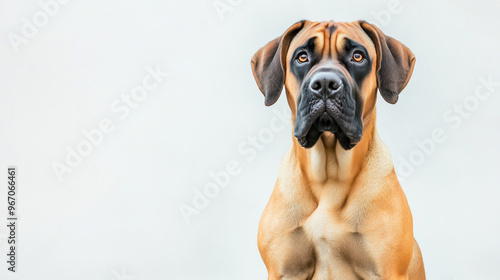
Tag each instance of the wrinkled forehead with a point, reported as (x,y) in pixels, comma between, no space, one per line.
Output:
(331,37)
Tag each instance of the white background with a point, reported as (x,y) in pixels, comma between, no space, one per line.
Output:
(116,215)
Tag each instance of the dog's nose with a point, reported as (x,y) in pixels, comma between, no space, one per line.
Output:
(325,83)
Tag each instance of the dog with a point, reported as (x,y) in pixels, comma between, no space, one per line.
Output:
(337,210)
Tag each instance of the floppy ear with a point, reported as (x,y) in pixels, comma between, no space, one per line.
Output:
(269,64)
(395,63)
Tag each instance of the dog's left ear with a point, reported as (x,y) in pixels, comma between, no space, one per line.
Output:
(269,64)
(395,62)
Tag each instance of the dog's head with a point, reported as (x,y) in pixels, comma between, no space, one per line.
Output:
(331,72)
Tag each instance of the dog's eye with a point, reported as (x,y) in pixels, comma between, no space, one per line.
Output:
(357,56)
(302,58)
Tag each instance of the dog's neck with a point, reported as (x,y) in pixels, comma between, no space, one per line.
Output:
(328,161)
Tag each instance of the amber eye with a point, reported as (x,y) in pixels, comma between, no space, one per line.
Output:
(302,57)
(357,56)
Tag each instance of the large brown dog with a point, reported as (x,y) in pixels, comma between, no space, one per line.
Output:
(337,210)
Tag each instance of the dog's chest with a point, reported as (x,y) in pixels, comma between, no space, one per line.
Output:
(338,244)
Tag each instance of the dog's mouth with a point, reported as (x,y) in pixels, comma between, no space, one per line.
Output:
(326,123)
(326,115)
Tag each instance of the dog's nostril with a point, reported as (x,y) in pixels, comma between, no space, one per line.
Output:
(316,85)
(333,85)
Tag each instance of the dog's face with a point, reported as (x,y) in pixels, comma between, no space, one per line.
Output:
(331,72)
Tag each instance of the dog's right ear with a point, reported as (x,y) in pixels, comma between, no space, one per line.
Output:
(269,64)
